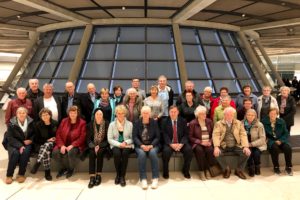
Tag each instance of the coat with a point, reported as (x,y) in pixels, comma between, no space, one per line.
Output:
(64,103)
(239,133)
(42,134)
(153,133)
(289,111)
(259,104)
(113,134)
(39,105)
(137,107)
(167,131)
(90,136)
(78,136)
(13,105)
(195,133)
(215,104)
(87,106)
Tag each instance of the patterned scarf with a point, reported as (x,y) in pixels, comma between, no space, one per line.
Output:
(99,134)
(283,104)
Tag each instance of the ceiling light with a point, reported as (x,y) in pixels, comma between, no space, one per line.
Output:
(244,15)
(123,8)
(283,3)
(18,16)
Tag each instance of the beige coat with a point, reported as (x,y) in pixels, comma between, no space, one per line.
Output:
(239,133)
(258,136)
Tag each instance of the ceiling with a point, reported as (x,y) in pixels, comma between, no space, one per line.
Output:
(276,21)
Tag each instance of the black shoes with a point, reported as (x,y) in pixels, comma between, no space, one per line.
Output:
(122,181)
(257,170)
(227,172)
(166,175)
(117,180)
(35,168)
(48,176)
(186,174)
(251,171)
(289,171)
(98,180)
(69,173)
(92,182)
(240,174)
(277,170)
(61,173)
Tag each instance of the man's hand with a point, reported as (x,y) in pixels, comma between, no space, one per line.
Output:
(97,149)
(69,148)
(63,149)
(21,150)
(217,151)
(246,151)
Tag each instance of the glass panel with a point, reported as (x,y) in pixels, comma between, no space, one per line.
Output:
(48,37)
(188,35)
(129,70)
(220,70)
(30,70)
(155,69)
(230,84)
(97,69)
(200,85)
(131,52)
(214,53)
(226,38)
(159,34)
(132,34)
(39,54)
(47,69)
(59,85)
(101,51)
(208,37)
(64,69)
(196,70)
(81,87)
(192,52)
(70,52)
(105,34)
(251,83)
(234,54)
(241,70)
(62,37)
(160,52)
(76,36)
(54,53)
(22,83)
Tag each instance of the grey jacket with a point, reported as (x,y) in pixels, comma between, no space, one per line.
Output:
(113,134)
(258,136)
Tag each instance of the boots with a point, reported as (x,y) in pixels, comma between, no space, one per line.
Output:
(122,181)
(251,171)
(98,180)
(48,176)
(257,169)
(92,182)
(35,167)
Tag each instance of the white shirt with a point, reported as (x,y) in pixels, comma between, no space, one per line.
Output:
(50,103)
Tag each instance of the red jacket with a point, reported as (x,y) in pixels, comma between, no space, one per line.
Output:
(13,105)
(216,104)
(78,136)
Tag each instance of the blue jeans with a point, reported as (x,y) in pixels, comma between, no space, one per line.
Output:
(142,160)
(15,158)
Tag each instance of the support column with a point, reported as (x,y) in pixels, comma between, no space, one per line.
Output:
(256,64)
(33,40)
(269,62)
(180,54)
(75,70)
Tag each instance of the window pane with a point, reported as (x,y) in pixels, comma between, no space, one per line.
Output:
(39,54)
(47,69)
(220,70)
(160,52)
(48,37)
(188,35)
(230,84)
(161,34)
(64,69)
(54,53)
(129,70)
(192,52)
(155,69)
(81,87)
(59,85)
(200,85)
(208,37)
(76,36)
(196,70)
(62,37)
(131,52)
(226,38)
(126,84)
(105,34)
(70,52)
(42,82)
(241,70)
(97,69)
(233,54)
(23,82)
(30,70)
(101,51)
(214,53)
(132,34)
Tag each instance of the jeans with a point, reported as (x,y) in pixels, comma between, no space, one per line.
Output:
(14,157)
(67,160)
(142,160)
(242,158)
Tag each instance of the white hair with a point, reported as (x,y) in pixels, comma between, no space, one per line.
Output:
(131,90)
(209,89)
(285,88)
(200,109)
(226,97)
(20,109)
(252,111)
(146,109)
(229,110)
(21,89)
(33,80)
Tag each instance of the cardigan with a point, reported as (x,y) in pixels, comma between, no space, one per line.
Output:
(113,134)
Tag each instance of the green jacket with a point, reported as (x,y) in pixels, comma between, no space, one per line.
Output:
(281,132)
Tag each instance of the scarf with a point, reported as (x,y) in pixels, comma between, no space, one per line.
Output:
(99,133)
(283,104)
(24,126)
(248,126)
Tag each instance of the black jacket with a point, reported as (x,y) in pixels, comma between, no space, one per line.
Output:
(64,103)
(42,133)
(33,96)
(289,111)
(87,106)
(181,98)
(39,105)
(182,131)
(90,136)
(153,133)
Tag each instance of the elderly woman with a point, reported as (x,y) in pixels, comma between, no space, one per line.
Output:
(44,141)
(121,143)
(96,139)
(247,93)
(277,135)
(133,104)
(219,111)
(19,144)
(200,134)
(118,95)
(287,107)
(207,100)
(265,102)
(146,139)
(106,104)
(257,141)
(70,142)
(188,107)
(155,103)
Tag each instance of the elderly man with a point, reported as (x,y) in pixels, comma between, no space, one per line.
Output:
(87,101)
(166,94)
(135,83)
(69,99)
(34,92)
(20,101)
(189,87)
(48,101)
(229,135)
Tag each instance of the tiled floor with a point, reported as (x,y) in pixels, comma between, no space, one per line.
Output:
(266,186)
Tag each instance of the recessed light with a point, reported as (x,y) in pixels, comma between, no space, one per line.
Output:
(123,8)
(283,3)
(244,15)
(18,16)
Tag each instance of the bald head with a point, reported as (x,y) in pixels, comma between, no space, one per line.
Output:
(70,88)
(91,88)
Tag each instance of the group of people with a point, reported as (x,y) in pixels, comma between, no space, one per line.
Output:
(96,125)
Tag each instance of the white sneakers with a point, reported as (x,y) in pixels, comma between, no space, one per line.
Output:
(154,184)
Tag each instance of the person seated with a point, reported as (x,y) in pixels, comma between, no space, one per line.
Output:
(257,141)
(229,135)
(277,141)
(19,137)
(242,112)
(175,136)
(146,139)
(70,142)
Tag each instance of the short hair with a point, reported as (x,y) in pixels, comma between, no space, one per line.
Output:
(189,82)
(22,109)
(130,90)
(90,84)
(118,87)
(154,87)
(207,89)
(247,86)
(21,88)
(200,109)
(74,109)
(226,97)
(104,90)
(172,107)
(247,99)
(121,108)
(224,88)
(285,88)
(135,79)
(33,79)
(69,82)
(274,108)
(146,109)
(252,111)
(48,85)
(162,77)
(266,86)
(189,92)
(229,109)
(45,110)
